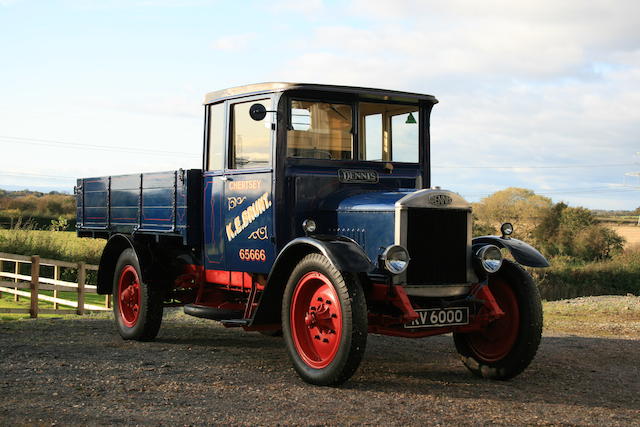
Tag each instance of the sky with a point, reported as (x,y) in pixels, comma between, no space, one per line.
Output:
(543,95)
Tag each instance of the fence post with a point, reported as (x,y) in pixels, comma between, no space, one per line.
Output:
(56,276)
(107,301)
(82,277)
(16,270)
(35,279)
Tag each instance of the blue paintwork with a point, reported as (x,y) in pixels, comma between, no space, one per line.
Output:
(367,218)
(374,201)
(141,203)
(360,211)
(373,230)
(234,202)
(313,190)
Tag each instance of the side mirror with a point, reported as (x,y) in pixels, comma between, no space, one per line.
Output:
(257,112)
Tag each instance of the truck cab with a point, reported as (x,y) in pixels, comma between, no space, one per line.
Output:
(314,216)
(312,148)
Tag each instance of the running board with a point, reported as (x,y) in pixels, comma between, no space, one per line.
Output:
(235,323)
(213,313)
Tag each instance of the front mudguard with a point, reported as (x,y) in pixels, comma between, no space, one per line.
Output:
(522,252)
(345,254)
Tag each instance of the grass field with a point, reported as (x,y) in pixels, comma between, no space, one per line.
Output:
(56,245)
(568,278)
(59,245)
(7,301)
(620,220)
(611,316)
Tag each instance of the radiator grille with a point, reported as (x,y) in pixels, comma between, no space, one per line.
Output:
(437,245)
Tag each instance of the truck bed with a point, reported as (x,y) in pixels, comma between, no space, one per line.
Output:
(160,203)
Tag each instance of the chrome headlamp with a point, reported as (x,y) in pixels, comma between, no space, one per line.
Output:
(309,226)
(395,259)
(490,258)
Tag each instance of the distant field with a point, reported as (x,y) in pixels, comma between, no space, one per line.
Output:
(631,234)
(621,220)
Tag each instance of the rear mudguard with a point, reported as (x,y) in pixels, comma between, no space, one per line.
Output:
(522,252)
(114,247)
(345,254)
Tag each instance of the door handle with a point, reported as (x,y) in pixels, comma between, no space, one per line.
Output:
(226,178)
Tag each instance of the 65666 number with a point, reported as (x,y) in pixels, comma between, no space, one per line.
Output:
(252,255)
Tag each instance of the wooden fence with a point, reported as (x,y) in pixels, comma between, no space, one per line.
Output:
(36,282)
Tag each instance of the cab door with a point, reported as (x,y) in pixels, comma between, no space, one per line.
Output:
(248,229)
(213,186)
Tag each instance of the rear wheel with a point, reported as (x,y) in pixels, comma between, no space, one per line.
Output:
(324,321)
(505,347)
(137,307)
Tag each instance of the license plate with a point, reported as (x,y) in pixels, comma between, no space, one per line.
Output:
(434,317)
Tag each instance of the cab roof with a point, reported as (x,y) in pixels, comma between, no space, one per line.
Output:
(272,87)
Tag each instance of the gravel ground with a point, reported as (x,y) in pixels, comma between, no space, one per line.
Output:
(78,372)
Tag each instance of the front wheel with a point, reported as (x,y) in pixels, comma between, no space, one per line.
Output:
(324,321)
(137,307)
(505,347)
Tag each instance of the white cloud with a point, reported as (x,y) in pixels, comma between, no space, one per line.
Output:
(233,42)
(544,39)
(311,8)
(120,4)
(534,84)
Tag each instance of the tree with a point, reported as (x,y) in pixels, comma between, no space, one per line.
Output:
(575,232)
(596,242)
(556,229)
(547,230)
(522,207)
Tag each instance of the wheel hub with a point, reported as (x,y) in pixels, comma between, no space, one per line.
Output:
(320,317)
(497,338)
(129,296)
(316,320)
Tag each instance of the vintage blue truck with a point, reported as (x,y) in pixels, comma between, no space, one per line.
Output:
(314,216)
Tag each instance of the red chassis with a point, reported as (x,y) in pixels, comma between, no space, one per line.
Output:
(239,291)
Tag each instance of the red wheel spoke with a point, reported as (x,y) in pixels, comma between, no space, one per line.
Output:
(129,298)
(496,340)
(316,320)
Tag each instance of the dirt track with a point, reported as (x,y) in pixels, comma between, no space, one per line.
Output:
(79,372)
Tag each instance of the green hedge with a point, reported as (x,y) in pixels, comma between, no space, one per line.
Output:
(34,222)
(567,279)
(60,245)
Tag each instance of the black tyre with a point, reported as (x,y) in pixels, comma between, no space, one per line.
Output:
(507,345)
(324,321)
(137,307)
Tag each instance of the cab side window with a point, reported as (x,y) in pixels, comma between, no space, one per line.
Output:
(389,132)
(216,137)
(251,139)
